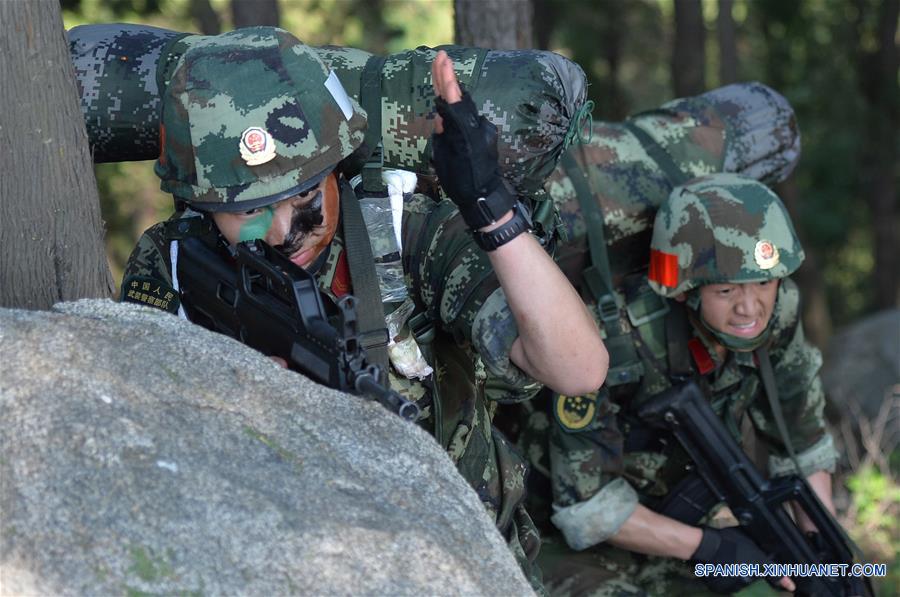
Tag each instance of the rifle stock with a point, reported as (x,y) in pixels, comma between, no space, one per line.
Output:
(759,504)
(258,296)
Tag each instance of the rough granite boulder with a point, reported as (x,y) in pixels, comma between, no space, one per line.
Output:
(140,454)
(861,377)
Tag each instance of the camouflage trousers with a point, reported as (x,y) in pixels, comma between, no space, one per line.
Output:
(605,571)
(483,456)
(525,543)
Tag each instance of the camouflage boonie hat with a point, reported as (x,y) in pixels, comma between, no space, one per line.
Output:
(251,117)
(721,228)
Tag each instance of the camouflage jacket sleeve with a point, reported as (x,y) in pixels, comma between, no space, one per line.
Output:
(591,500)
(453,278)
(796,363)
(148,279)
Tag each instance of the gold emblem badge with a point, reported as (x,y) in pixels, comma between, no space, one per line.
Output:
(257,146)
(766,254)
(575,412)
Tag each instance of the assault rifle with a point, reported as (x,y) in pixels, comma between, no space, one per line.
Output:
(726,474)
(255,294)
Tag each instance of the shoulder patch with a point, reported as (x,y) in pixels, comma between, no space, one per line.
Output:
(574,413)
(151,292)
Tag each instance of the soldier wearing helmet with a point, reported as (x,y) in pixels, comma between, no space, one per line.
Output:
(722,249)
(255,134)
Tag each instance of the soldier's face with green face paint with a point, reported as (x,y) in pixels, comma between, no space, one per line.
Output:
(741,310)
(301,226)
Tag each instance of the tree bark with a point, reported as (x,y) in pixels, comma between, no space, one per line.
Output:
(816,314)
(878,84)
(249,13)
(205,17)
(544,18)
(377,33)
(728,60)
(51,234)
(613,29)
(689,52)
(497,24)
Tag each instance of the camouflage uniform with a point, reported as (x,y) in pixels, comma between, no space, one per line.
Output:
(602,461)
(447,275)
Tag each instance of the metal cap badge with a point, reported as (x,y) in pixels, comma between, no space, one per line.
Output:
(257,146)
(766,254)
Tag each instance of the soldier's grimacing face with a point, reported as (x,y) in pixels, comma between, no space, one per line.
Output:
(301,226)
(742,310)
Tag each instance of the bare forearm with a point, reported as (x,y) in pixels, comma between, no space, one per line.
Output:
(558,342)
(654,534)
(820,482)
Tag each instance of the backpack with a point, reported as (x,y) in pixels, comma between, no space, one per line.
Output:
(607,192)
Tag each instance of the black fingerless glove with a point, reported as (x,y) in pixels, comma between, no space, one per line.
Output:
(729,546)
(465,159)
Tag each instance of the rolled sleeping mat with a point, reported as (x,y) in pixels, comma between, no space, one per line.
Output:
(535,98)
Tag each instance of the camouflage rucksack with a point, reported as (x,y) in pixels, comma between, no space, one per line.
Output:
(608,190)
(535,98)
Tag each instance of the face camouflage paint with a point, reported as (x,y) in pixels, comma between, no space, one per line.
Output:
(257,226)
(304,220)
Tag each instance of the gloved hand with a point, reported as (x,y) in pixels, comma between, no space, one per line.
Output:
(465,158)
(729,546)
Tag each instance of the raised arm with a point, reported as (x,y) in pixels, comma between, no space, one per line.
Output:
(558,343)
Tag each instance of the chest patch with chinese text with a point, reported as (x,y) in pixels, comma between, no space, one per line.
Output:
(151,292)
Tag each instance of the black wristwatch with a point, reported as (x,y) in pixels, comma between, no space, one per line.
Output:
(519,223)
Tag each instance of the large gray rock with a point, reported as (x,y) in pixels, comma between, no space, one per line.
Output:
(861,375)
(142,454)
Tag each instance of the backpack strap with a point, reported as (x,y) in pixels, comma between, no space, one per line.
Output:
(598,278)
(370,98)
(771,390)
(676,175)
(373,333)
(678,336)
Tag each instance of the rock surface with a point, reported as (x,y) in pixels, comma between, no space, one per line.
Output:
(140,454)
(861,374)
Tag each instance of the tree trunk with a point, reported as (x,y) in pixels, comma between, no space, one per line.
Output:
(610,43)
(249,13)
(728,60)
(497,24)
(205,17)
(545,15)
(689,53)
(816,314)
(878,83)
(376,31)
(51,234)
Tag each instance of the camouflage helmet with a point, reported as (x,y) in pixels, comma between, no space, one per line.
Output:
(251,117)
(721,228)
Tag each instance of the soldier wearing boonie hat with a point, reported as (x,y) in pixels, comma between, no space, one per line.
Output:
(722,249)
(255,134)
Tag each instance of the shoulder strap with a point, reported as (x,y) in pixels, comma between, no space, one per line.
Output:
(771,389)
(598,277)
(677,337)
(373,333)
(676,175)
(370,98)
